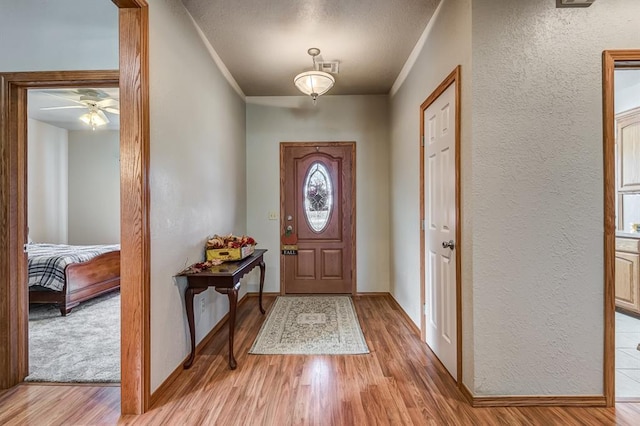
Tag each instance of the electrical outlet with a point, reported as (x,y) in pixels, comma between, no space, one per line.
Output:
(273,215)
(202,305)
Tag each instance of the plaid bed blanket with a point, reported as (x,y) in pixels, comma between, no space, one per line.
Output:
(46,262)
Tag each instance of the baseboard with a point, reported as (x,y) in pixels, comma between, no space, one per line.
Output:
(406,316)
(534,400)
(626,400)
(466,393)
(264,293)
(373,293)
(155,396)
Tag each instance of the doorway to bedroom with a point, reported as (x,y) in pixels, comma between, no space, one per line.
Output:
(73,249)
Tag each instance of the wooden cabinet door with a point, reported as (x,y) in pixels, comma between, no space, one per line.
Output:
(627,280)
(628,144)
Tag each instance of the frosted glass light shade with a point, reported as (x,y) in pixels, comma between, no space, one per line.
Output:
(94,118)
(314,82)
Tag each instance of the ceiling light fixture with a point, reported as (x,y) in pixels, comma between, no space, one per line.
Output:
(314,83)
(94,118)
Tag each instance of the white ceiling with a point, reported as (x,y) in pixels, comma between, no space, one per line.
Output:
(66,118)
(264,43)
(625,78)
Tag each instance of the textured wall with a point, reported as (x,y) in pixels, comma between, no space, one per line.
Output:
(448,44)
(363,119)
(536,189)
(197,176)
(42,35)
(47,183)
(94,187)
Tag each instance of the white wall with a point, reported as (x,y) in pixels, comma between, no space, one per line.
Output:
(47,182)
(197,176)
(447,44)
(363,119)
(43,35)
(627,90)
(537,193)
(94,187)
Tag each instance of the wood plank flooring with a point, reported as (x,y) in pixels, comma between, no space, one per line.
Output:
(399,383)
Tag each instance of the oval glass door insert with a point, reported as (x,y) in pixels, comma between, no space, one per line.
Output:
(318,196)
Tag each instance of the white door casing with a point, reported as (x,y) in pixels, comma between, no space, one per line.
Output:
(440,228)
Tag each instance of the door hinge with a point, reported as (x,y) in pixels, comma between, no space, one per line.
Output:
(422,141)
(422,224)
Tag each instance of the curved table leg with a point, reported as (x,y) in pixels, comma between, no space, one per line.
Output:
(262,270)
(188,302)
(232,293)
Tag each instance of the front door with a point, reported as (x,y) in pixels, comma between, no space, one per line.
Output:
(317,195)
(440,228)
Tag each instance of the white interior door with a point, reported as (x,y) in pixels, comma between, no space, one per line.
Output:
(440,228)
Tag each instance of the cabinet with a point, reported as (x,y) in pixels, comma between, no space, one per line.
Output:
(628,169)
(628,274)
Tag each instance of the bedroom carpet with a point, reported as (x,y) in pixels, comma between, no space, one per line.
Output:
(83,347)
(314,325)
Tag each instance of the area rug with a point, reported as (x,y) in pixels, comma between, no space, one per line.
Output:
(311,325)
(83,347)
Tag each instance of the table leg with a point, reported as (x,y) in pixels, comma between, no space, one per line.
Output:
(262,270)
(188,302)
(232,293)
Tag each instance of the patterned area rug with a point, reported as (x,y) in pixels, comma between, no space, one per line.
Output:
(311,325)
(83,347)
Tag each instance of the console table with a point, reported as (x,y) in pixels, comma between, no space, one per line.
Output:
(225,279)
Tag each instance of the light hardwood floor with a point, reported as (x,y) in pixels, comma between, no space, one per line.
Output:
(399,383)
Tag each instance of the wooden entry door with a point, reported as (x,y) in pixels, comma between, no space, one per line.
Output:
(317,198)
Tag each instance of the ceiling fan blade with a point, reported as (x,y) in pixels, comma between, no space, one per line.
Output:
(109,102)
(55,95)
(103,116)
(112,110)
(62,107)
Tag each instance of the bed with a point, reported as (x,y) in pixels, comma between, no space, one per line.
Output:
(68,275)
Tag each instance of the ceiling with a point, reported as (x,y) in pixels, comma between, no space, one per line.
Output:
(626,78)
(66,118)
(264,44)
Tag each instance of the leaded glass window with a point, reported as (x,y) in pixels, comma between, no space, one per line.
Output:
(318,196)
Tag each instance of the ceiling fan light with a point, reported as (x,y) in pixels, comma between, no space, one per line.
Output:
(314,82)
(93,119)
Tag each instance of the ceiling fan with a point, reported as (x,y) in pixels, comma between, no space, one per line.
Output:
(96,101)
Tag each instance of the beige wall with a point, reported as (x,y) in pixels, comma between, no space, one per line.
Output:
(537,193)
(94,187)
(363,119)
(197,176)
(47,147)
(43,35)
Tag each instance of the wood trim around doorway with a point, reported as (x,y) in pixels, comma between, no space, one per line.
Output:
(609,58)
(452,78)
(133,81)
(283,145)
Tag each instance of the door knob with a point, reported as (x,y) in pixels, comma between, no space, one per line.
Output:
(450,244)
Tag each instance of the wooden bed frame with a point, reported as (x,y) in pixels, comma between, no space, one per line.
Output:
(83,281)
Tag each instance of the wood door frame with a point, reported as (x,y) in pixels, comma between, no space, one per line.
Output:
(133,82)
(609,58)
(452,78)
(352,144)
